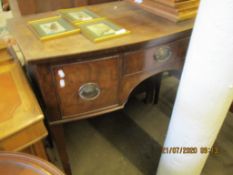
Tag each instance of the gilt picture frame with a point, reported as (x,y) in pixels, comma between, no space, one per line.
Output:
(102,30)
(52,27)
(79,15)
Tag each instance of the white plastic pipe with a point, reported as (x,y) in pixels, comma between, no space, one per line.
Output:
(205,91)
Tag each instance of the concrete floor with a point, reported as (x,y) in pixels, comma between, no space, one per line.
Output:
(128,142)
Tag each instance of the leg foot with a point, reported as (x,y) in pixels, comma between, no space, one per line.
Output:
(59,138)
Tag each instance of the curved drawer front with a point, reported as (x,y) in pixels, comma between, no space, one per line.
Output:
(155,57)
(87,86)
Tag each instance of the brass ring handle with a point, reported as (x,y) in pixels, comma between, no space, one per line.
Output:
(162,54)
(89,91)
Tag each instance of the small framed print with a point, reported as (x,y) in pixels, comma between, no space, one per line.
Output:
(52,27)
(102,30)
(79,15)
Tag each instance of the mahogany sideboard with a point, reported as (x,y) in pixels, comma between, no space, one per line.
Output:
(78,79)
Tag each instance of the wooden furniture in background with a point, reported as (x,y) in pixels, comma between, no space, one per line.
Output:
(173,10)
(21,120)
(5,5)
(27,7)
(80,79)
(25,164)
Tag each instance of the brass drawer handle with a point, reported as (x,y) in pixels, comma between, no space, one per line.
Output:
(89,91)
(162,54)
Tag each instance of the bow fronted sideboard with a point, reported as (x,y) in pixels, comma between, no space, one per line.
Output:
(78,79)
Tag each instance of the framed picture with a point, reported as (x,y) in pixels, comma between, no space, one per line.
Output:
(52,27)
(79,15)
(102,30)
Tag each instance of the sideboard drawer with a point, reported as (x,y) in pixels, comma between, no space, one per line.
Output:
(87,86)
(155,57)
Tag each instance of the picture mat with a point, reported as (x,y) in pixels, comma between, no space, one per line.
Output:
(78,15)
(61,27)
(61,23)
(101,30)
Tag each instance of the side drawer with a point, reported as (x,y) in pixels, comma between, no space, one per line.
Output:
(155,57)
(87,86)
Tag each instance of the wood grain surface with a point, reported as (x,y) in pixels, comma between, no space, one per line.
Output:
(177,3)
(174,14)
(9,101)
(145,28)
(28,112)
(104,73)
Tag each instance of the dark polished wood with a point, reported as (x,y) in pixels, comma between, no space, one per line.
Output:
(27,7)
(61,67)
(104,73)
(145,60)
(147,30)
(48,94)
(59,138)
(144,65)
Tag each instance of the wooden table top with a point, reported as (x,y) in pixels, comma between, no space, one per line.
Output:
(144,27)
(18,105)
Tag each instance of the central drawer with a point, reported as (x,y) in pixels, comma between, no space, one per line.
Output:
(87,86)
(163,56)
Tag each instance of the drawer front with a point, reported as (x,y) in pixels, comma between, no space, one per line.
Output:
(87,86)
(24,137)
(155,57)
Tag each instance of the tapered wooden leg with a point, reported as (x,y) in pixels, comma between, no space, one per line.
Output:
(37,149)
(59,138)
(231,108)
(49,139)
(149,84)
(157,85)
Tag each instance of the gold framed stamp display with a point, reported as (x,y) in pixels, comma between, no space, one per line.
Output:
(101,30)
(52,27)
(78,15)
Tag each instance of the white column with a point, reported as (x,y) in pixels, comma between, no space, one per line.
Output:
(205,91)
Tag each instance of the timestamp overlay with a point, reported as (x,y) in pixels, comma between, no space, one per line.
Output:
(190,150)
